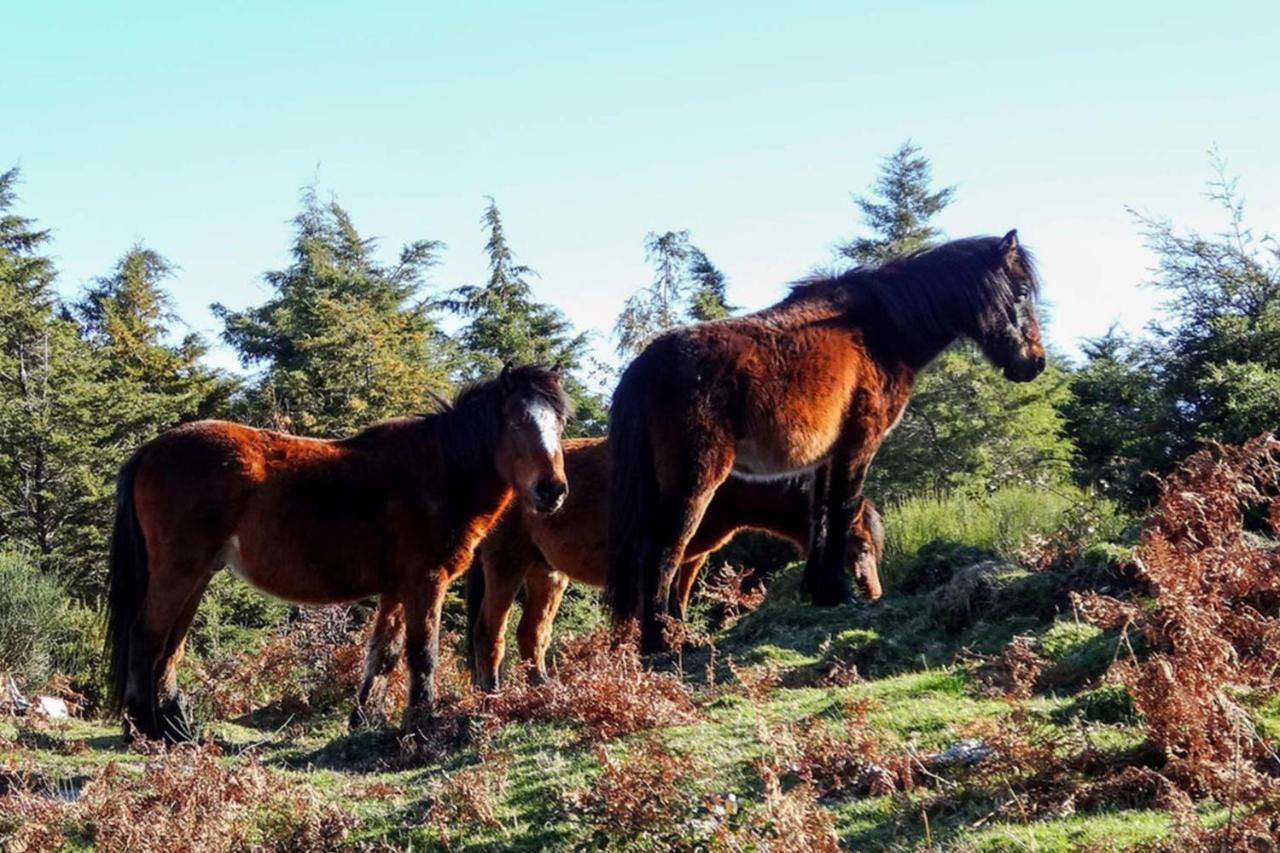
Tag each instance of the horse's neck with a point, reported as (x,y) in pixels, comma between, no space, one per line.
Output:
(896,350)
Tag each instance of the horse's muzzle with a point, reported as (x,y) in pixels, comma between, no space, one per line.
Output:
(1025,370)
(549,495)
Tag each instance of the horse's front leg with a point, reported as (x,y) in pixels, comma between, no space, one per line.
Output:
(422,645)
(382,653)
(817,524)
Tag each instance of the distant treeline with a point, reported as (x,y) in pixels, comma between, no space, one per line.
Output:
(348,337)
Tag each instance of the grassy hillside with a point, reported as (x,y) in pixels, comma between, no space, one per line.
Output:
(981,705)
(785,679)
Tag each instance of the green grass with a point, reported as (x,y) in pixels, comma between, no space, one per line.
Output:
(999,523)
(920,698)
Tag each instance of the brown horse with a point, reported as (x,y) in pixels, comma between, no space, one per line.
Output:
(543,553)
(395,511)
(812,383)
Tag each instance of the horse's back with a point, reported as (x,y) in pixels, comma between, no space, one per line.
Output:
(202,474)
(779,388)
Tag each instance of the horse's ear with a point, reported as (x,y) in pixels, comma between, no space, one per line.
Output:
(505,376)
(557,370)
(1009,244)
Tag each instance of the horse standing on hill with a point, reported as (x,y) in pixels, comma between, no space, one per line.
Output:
(543,553)
(812,383)
(395,511)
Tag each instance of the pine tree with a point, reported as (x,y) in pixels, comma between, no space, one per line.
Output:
(900,211)
(661,305)
(59,436)
(345,340)
(966,427)
(128,318)
(709,299)
(505,323)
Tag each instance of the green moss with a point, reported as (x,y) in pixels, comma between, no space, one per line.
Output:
(1109,703)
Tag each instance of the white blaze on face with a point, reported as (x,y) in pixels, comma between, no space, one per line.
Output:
(548,426)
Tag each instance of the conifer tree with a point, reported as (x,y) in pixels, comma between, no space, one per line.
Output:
(900,210)
(709,299)
(686,287)
(128,318)
(661,305)
(345,340)
(59,442)
(505,323)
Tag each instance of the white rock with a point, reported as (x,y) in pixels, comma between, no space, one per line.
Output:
(52,707)
(966,752)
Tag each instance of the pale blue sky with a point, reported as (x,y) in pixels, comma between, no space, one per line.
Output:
(193,126)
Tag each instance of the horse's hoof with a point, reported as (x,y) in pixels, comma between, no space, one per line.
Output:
(175,725)
(418,720)
(538,677)
(362,719)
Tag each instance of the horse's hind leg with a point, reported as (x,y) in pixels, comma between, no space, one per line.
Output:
(543,592)
(172,716)
(382,653)
(695,479)
(689,571)
(155,642)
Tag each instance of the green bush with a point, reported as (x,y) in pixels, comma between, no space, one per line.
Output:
(1000,523)
(233,616)
(38,624)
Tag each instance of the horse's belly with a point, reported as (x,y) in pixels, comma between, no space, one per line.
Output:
(303,578)
(776,451)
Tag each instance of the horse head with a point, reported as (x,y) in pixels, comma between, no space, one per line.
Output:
(1008,331)
(528,454)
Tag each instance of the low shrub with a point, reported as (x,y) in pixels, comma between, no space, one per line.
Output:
(40,629)
(1213,628)
(602,686)
(184,799)
(314,660)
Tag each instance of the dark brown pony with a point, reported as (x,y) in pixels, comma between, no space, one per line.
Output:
(395,511)
(812,383)
(543,553)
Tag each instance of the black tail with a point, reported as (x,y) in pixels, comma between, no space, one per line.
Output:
(633,493)
(127,581)
(475,597)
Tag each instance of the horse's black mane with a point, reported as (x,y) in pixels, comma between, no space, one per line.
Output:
(931,293)
(468,426)
(534,381)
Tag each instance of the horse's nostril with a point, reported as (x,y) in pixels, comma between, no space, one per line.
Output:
(550,493)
